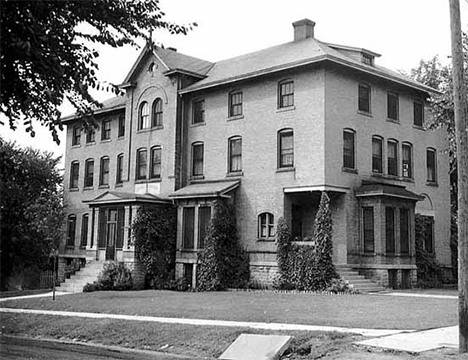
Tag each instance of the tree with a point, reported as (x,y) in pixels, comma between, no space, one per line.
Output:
(31,208)
(47,55)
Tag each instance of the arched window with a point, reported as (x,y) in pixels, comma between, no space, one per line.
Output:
(266,226)
(157,119)
(377,154)
(349,146)
(71,230)
(407,160)
(392,157)
(235,154)
(143,116)
(74,174)
(285,148)
(120,165)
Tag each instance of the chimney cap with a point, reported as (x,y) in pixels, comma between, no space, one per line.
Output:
(304,22)
(172,49)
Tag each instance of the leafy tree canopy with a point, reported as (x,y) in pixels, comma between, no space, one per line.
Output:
(47,57)
(31,207)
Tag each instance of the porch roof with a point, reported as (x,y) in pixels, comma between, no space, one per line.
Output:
(310,188)
(113,197)
(205,189)
(378,189)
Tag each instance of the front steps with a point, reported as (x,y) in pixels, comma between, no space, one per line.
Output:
(87,274)
(359,282)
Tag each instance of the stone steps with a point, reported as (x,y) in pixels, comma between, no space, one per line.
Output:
(359,282)
(87,274)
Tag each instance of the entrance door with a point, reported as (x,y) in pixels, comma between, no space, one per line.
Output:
(111,234)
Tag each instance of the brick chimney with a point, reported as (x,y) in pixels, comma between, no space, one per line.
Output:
(303,29)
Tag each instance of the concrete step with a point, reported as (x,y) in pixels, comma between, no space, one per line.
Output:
(358,282)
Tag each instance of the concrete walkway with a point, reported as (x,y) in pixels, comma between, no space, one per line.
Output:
(204,322)
(49,294)
(434,296)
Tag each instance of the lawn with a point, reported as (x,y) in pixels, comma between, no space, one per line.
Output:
(358,311)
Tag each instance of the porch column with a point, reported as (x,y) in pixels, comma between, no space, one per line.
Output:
(133,216)
(127,223)
(90,229)
(95,226)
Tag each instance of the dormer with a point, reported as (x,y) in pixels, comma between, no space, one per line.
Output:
(362,55)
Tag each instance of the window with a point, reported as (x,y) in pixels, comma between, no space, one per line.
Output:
(188,218)
(204,217)
(266,225)
(74,174)
(157,119)
(392,157)
(143,116)
(104,171)
(197,159)
(368,228)
(90,136)
(119,175)
(364,98)
(348,149)
(285,148)
(392,106)
(407,160)
(76,138)
(89,173)
(377,154)
(71,229)
(390,230)
(141,164)
(418,113)
(404,231)
(285,94)
(106,130)
(188,273)
(84,230)
(367,59)
(198,112)
(431,165)
(235,154)
(235,103)
(155,168)
(121,126)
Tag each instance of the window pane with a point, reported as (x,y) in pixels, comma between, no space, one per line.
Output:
(404,231)
(198,111)
(197,153)
(392,106)
(204,217)
(189,225)
(71,230)
(418,113)
(119,178)
(235,104)
(390,230)
(235,155)
(271,225)
(368,227)
(155,171)
(431,165)
(89,173)
(74,175)
(144,119)
(76,139)
(90,136)
(157,113)
(286,94)
(377,155)
(364,98)
(106,130)
(286,149)
(141,164)
(104,171)
(121,125)
(392,161)
(407,170)
(84,231)
(348,149)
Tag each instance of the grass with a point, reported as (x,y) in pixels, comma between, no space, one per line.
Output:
(359,311)
(7,294)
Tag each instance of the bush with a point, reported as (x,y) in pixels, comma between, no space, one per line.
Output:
(223,263)
(154,232)
(307,267)
(339,286)
(180,284)
(114,276)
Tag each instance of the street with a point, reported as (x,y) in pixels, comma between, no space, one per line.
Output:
(33,349)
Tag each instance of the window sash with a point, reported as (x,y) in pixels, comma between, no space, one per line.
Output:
(141,164)
(392,158)
(418,113)
(144,116)
(197,154)
(390,230)
(404,231)
(90,136)
(235,155)
(104,178)
(204,217)
(286,94)
(348,150)
(406,158)
(84,230)
(89,173)
(189,226)
(106,130)
(155,170)
(266,225)
(392,106)
(199,111)
(76,136)
(431,165)
(119,175)
(368,228)
(71,231)
(157,113)
(377,155)
(286,149)
(74,175)
(121,126)
(235,100)
(364,98)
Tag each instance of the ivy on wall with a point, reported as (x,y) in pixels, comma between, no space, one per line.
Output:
(307,267)
(429,269)
(154,232)
(223,263)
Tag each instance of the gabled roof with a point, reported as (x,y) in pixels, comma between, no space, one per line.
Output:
(115,103)
(113,197)
(172,61)
(381,189)
(206,189)
(291,55)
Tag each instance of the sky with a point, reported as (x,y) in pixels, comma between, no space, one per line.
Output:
(402,31)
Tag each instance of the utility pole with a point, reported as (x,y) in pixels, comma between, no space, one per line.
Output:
(461,132)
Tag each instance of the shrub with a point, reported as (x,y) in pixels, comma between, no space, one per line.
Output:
(154,232)
(429,269)
(180,284)
(339,286)
(307,267)
(90,287)
(223,263)
(115,276)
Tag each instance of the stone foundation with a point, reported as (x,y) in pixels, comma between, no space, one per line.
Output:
(393,278)
(263,276)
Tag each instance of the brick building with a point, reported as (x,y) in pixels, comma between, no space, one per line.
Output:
(270,130)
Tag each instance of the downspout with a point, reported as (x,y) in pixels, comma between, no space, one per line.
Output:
(130,133)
